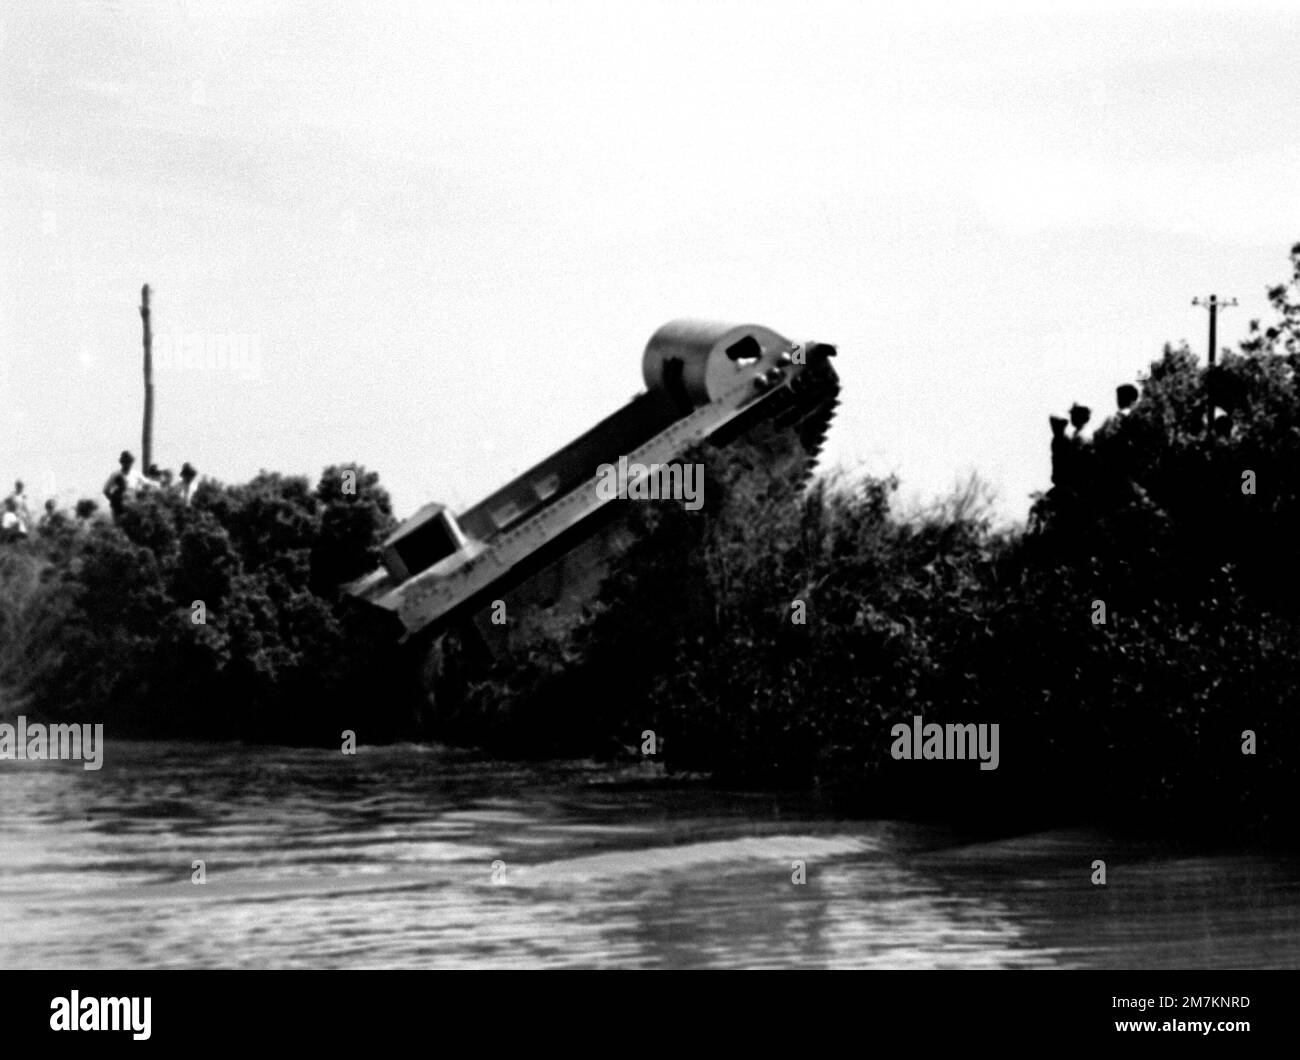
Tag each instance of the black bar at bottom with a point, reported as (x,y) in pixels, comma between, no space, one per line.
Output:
(585,1011)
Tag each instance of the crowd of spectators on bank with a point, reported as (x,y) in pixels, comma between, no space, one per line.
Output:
(123,485)
(125,482)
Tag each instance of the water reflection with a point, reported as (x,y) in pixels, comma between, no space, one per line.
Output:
(385,859)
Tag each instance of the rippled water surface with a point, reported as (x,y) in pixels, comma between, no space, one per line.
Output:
(386,859)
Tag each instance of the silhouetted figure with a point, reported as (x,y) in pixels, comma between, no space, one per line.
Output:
(1126,397)
(119,483)
(188,475)
(1071,466)
(1062,452)
(53,522)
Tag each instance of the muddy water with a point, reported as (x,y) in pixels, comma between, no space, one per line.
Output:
(418,857)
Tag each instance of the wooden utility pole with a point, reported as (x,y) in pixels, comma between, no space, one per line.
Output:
(146,440)
(1213,304)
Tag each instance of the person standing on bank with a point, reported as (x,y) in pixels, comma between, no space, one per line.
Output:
(188,475)
(120,483)
(20,509)
(9,522)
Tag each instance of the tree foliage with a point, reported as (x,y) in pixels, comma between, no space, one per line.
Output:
(219,617)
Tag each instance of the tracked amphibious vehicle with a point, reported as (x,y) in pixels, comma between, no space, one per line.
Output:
(546,538)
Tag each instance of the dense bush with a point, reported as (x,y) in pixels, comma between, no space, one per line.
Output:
(219,617)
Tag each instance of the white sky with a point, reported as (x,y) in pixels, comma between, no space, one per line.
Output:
(446,230)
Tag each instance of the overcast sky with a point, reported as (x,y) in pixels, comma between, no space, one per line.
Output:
(435,237)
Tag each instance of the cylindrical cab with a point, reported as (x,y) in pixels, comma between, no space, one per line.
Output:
(697,361)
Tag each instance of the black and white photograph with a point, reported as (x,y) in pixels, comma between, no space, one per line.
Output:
(686,486)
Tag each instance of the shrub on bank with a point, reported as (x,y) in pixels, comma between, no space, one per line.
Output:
(220,617)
